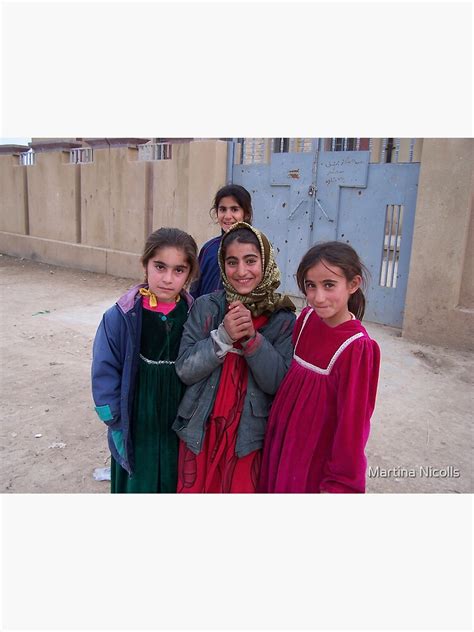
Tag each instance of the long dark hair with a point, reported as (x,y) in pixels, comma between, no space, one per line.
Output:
(174,238)
(240,194)
(344,257)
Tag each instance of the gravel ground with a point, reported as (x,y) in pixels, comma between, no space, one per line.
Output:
(51,439)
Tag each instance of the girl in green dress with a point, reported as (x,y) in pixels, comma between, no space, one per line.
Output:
(134,384)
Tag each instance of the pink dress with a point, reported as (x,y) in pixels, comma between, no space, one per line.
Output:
(320,418)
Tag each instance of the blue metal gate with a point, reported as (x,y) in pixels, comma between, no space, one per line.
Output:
(303,198)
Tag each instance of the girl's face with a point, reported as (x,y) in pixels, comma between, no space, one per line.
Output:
(229,212)
(328,292)
(243,267)
(167,272)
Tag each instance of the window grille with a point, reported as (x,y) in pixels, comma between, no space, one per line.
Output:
(81,156)
(155,151)
(27,158)
(252,151)
(391,245)
(281,145)
(256,150)
(301,145)
(397,149)
(343,144)
(390,150)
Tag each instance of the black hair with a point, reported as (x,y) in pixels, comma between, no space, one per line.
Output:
(344,257)
(240,194)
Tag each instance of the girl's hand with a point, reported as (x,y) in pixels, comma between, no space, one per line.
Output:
(238,321)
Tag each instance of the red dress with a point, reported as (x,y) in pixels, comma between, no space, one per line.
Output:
(320,418)
(217,469)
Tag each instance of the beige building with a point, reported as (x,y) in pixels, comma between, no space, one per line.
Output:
(90,203)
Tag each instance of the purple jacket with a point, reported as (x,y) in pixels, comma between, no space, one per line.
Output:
(115,357)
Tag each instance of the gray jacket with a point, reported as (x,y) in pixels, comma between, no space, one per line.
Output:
(199,365)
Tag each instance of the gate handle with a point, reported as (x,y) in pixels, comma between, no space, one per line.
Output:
(324,212)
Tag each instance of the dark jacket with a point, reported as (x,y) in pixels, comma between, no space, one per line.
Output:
(210,274)
(115,358)
(200,368)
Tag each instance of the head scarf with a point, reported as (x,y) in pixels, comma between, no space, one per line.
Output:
(263,298)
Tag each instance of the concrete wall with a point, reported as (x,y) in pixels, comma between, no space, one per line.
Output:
(440,296)
(97,216)
(184,187)
(13,198)
(95,200)
(52,197)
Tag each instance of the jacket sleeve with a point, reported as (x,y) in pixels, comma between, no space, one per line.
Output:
(269,360)
(197,356)
(107,365)
(345,470)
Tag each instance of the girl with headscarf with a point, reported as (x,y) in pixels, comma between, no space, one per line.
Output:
(235,350)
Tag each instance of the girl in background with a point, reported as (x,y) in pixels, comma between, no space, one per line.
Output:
(134,383)
(232,204)
(319,422)
(235,350)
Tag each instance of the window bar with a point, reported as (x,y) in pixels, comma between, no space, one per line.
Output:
(398,241)
(412,149)
(397,149)
(393,243)
(333,144)
(357,147)
(387,240)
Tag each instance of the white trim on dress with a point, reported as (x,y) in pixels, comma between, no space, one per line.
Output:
(313,367)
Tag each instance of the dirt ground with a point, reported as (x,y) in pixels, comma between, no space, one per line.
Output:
(52,440)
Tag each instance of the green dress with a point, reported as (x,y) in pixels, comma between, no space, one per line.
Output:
(158,392)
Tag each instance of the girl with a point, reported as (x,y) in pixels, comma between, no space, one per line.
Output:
(134,383)
(319,422)
(235,350)
(232,204)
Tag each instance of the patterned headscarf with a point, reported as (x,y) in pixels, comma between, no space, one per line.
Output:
(263,298)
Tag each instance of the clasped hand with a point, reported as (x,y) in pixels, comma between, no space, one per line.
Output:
(238,321)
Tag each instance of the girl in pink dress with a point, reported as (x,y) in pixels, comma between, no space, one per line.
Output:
(320,418)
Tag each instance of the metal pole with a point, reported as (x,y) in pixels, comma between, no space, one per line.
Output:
(230,159)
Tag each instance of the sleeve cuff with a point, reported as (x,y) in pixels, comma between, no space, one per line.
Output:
(223,343)
(252,344)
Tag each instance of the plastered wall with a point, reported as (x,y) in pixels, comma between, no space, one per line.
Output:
(184,187)
(52,198)
(439,304)
(97,216)
(13,217)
